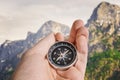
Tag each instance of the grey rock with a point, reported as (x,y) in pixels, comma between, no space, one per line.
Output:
(103,27)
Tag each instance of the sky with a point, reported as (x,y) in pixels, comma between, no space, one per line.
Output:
(17,17)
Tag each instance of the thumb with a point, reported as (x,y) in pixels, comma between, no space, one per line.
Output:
(72,74)
(43,45)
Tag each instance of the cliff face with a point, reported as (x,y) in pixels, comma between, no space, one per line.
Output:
(104,27)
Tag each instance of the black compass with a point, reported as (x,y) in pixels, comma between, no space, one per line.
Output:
(62,55)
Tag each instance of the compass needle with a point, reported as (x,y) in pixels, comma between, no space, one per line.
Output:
(58,58)
(65,52)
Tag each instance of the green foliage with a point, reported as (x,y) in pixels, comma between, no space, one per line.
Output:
(104,41)
(101,66)
(117,43)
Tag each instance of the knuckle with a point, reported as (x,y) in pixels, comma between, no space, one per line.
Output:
(83,31)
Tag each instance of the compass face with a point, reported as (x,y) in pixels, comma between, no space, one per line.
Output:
(62,55)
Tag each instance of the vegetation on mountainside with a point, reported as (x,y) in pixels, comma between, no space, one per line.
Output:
(117,43)
(104,66)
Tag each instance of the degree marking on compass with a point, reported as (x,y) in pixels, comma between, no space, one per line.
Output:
(65,63)
(69,53)
(54,58)
(54,53)
(69,58)
(59,49)
(65,49)
(58,62)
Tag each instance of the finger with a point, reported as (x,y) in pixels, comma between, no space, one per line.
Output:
(82,40)
(76,25)
(82,47)
(59,37)
(58,77)
(72,74)
(42,46)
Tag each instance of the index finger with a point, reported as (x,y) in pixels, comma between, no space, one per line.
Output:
(82,47)
(76,25)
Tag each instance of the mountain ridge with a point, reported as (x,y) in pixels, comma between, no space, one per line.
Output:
(103,25)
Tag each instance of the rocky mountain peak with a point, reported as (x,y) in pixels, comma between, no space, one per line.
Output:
(104,25)
(105,12)
(54,26)
(6,43)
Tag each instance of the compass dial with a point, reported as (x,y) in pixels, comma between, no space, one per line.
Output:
(62,55)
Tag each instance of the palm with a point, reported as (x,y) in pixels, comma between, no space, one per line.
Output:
(52,74)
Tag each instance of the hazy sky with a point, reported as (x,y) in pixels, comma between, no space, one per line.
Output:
(17,17)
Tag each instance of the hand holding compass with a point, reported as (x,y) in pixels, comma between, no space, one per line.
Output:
(35,66)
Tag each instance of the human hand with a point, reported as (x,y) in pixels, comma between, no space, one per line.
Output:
(79,37)
(34,65)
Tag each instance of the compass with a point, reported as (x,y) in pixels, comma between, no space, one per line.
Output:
(62,55)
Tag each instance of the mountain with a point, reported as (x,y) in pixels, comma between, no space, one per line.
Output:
(104,43)
(11,51)
(104,28)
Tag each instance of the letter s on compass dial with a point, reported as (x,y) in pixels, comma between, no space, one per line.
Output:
(62,55)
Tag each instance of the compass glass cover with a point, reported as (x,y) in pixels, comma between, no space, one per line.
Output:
(62,54)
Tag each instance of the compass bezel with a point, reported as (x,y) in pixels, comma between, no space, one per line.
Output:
(60,44)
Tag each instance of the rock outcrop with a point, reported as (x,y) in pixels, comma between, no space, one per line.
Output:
(104,27)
